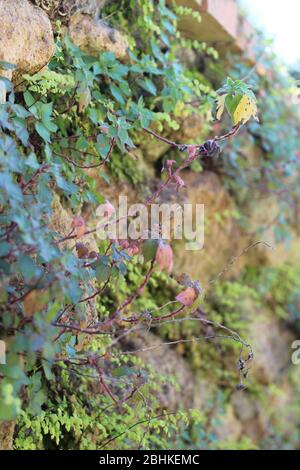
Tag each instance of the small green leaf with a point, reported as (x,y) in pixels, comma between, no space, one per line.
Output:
(117,94)
(232,103)
(67,186)
(102,270)
(47,370)
(49,124)
(42,131)
(29,99)
(149,86)
(27,267)
(4,249)
(150,249)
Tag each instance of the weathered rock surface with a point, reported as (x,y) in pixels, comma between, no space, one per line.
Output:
(245,415)
(61,222)
(168,363)
(263,213)
(220,225)
(85,28)
(272,346)
(229,427)
(6,434)
(26,38)
(64,9)
(94,36)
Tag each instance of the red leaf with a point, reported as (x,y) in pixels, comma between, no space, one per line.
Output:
(164,257)
(78,224)
(187,297)
(133,249)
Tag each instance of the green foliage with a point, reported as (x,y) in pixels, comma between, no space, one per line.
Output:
(77,416)
(276,166)
(71,118)
(279,288)
(158,291)
(238,99)
(65,121)
(10,405)
(160,73)
(245,443)
(49,81)
(226,304)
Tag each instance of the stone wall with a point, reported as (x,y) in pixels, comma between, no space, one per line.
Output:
(26,35)
(26,40)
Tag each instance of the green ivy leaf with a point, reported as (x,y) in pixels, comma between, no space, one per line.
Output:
(7,83)
(149,86)
(150,249)
(28,98)
(42,131)
(4,249)
(66,186)
(117,94)
(102,270)
(27,267)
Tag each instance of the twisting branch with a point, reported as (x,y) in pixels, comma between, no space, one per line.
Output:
(103,384)
(209,148)
(180,147)
(234,131)
(102,327)
(84,166)
(34,177)
(169,315)
(143,421)
(235,259)
(133,297)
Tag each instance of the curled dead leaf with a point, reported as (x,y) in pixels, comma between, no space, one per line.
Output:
(187,297)
(78,224)
(164,257)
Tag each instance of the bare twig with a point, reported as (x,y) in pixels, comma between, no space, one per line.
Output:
(162,415)
(234,260)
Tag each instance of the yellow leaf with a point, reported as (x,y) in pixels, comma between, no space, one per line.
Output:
(220,106)
(246,109)
(84,100)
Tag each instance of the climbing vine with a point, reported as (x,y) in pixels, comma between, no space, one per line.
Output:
(84,115)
